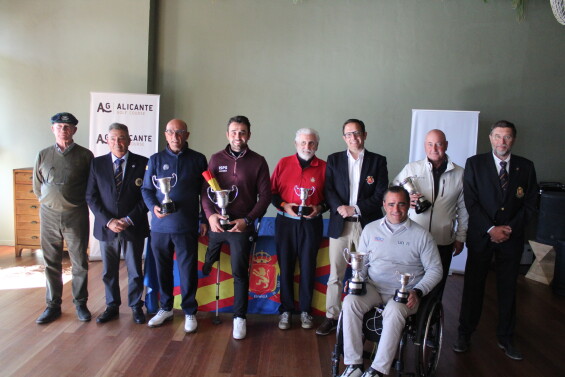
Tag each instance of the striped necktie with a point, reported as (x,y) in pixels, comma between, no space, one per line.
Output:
(118,174)
(503,176)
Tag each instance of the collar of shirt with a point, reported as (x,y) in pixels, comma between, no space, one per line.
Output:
(70,146)
(498,160)
(394,228)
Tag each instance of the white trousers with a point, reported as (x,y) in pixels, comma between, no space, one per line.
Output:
(394,319)
(349,239)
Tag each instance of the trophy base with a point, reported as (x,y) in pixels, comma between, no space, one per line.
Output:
(401,297)
(302,210)
(356,288)
(167,208)
(422,206)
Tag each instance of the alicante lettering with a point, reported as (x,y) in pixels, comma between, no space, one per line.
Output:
(134,107)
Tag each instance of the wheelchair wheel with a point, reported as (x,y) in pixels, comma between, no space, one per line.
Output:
(428,351)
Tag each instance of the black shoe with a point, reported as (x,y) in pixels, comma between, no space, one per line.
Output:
(138,315)
(327,326)
(49,315)
(83,314)
(462,344)
(109,314)
(207,268)
(511,351)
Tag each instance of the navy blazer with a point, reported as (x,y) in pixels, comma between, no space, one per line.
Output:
(106,203)
(373,182)
(487,204)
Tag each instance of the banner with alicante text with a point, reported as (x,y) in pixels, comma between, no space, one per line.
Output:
(139,112)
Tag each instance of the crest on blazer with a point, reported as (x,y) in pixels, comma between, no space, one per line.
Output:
(370,179)
(519,192)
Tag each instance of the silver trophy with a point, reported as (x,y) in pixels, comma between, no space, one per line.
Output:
(222,201)
(303,194)
(422,204)
(401,295)
(165,186)
(357,260)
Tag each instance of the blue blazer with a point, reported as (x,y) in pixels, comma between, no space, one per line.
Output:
(487,204)
(373,183)
(106,203)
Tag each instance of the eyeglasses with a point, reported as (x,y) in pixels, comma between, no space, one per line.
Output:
(176,132)
(349,135)
(500,137)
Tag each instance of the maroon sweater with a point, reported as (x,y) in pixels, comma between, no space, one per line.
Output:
(250,173)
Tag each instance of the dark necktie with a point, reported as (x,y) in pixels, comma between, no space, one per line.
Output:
(118,174)
(503,175)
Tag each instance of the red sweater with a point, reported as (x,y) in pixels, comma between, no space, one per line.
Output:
(289,174)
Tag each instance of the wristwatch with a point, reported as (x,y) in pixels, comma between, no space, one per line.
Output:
(419,292)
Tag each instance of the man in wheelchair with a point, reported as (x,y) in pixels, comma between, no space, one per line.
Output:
(396,245)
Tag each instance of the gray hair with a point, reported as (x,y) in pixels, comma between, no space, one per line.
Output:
(119,127)
(307,131)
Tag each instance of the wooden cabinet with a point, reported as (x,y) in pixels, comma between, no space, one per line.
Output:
(26,212)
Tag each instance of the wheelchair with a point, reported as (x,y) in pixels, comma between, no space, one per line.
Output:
(423,329)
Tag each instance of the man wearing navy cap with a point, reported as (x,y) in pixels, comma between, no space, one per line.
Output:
(60,175)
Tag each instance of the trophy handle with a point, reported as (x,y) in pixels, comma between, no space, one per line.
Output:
(297,191)
(367,258)
(175,177)
(234,188)
(154,180)
(209,191)
(346,253)
(312,192)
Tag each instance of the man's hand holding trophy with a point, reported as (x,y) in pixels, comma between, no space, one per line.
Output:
(221,198)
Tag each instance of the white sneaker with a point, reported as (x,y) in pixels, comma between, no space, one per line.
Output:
(190,323)
(160,318)
(306,320)
(284,322)
(239,328)
(352,371)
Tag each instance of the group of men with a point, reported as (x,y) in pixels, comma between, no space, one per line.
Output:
(487,205)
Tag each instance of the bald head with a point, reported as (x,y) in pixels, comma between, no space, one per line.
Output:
(435,145)
(176,133)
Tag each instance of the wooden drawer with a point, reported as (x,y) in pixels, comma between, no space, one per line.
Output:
(23,178)
(28,237)
(27,207)
(30,222)
(24,192)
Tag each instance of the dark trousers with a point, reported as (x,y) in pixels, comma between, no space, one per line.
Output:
(240,246)
(164,245)
(297,239)
(446,254)
(72,226)
(133,252)
(507,263)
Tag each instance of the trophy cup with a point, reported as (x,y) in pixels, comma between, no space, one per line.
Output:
(401,295)
(222,201)
(164,184)
(422,204)
(303,194)
(357,284)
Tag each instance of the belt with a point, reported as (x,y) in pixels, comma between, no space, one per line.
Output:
(284,214)
(353,219)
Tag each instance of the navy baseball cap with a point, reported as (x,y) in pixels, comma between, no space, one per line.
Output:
(64,118)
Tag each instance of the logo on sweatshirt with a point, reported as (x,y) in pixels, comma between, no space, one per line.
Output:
(223,169)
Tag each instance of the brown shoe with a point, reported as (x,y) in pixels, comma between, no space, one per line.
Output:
(327,326)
